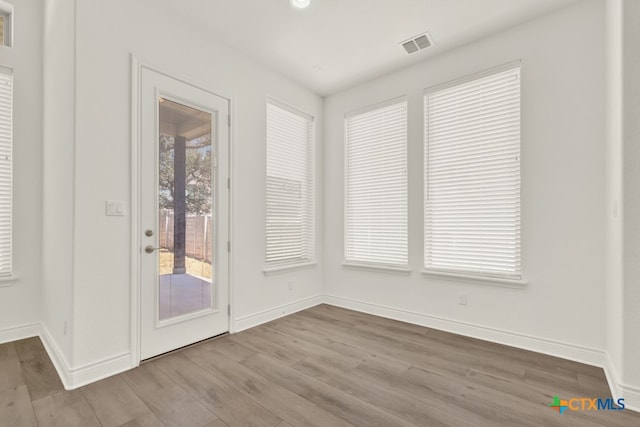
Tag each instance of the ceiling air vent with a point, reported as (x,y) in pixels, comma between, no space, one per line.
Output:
(410,46)
(416,43)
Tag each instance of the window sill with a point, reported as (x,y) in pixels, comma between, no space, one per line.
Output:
(380,268)
(485,280)
(280,269)
(5,282)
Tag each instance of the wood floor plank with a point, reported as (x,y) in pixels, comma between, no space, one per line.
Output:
(324,338)
(227,402)
(166,399)
(147,420)
(217,423)
(490,404)
(39,373)
(65,409)
(338,402)
(307,348)
(10,370)
(261,345)
(233,350)
(391,350)
(594,385)
(542,396)
(282,402)
(458,342)
(114,402)
(15,408)
(433,413)
(439,354)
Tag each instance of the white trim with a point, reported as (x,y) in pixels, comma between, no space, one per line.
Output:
(619,390)
(9,280)
(290,108)
(98,370)
(7,9)
(381,104)
(134,275)
(76,377)
(485,280)
(578,353)
(57,356)
(21,332)
(631,397)
(379,268)
(473,76)
(285,268)
(611,373)
(265,316)
(230,234)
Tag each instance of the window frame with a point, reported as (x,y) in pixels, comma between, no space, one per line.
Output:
(275,267)
(496,278)
(7,12)
(388,267)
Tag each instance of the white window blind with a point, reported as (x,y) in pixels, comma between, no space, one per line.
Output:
(290,186)
(376,185)
(472,175)
(6,151)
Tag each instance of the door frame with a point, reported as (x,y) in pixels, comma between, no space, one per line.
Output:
(135,202)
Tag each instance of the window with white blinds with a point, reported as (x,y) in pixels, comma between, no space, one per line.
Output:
(290,231)
(472,175)
(6,151)
(376,185)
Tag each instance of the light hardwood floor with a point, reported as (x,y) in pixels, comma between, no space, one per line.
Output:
(324,366)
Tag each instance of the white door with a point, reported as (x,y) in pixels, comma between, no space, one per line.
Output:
(184,221)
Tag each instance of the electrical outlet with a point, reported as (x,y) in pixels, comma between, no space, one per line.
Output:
(290,284)
(65,327)
(462,298)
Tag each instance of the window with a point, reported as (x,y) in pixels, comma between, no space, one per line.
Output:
(472,175)
(6,148)
(376,185)
(6,18)
(290,226)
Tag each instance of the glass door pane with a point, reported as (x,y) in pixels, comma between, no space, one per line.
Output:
(185,232)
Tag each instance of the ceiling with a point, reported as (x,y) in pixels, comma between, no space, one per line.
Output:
(335,44)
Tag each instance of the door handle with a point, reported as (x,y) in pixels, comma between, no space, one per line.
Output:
(150,249)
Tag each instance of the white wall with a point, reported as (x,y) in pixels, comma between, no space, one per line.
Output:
(101,256)
(561,310)
(20,301)
(58,192)
(631,218)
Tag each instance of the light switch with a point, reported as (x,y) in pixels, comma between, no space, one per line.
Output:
(115,208)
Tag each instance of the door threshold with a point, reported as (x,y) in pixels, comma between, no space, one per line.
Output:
(170,352)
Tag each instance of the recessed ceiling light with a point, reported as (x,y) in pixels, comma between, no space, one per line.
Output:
(300,4)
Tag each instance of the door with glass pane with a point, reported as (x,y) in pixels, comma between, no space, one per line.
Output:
(184,213)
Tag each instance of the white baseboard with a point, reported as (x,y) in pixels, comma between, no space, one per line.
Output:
(589,356)
(613,378)
(57,356)
(99,370)
(631,397)
(619,390)
(246,322)
(76,377)
(19,332)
